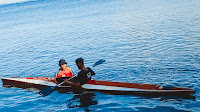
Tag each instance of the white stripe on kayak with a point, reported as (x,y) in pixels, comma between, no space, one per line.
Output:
(112,88)
(33,81)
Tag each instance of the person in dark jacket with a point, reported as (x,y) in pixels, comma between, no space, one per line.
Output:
(83,76)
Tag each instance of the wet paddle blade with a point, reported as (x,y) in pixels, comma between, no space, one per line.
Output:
(99,62)
(48,90)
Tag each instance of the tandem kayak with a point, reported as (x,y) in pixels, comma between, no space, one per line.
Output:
(109,87)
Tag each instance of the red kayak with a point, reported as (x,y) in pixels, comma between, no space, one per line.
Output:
(119,88)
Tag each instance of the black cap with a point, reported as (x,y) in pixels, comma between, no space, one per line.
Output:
(62,61)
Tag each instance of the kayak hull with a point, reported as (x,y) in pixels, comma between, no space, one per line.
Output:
(116,88)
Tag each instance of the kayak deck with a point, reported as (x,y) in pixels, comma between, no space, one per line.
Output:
(103,86)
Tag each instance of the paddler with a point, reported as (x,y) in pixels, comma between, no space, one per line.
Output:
(83,76)
(64,71)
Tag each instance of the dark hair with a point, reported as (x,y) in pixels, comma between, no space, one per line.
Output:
(79,60)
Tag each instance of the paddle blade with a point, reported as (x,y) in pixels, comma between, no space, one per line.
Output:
(48,90)
(99,62)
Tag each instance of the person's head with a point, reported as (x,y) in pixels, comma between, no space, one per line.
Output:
(80,63)
(62,63)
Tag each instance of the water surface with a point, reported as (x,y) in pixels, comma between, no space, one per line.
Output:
(151,42)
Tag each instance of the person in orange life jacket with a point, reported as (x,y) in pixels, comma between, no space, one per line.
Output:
(83,76)
(64,71)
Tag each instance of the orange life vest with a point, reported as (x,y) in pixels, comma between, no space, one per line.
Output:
(66,73)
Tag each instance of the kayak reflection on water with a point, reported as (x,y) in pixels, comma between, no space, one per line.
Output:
(84,99)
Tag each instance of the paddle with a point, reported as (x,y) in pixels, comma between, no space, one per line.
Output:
(49,89)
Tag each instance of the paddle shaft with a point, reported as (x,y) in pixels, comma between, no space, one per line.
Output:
(64,81)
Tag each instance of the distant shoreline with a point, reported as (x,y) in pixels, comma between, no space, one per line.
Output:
(7,2)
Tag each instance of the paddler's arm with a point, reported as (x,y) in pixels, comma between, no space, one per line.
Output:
(73,83)
(56,74)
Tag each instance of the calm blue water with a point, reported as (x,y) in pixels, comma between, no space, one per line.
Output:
(152,42)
